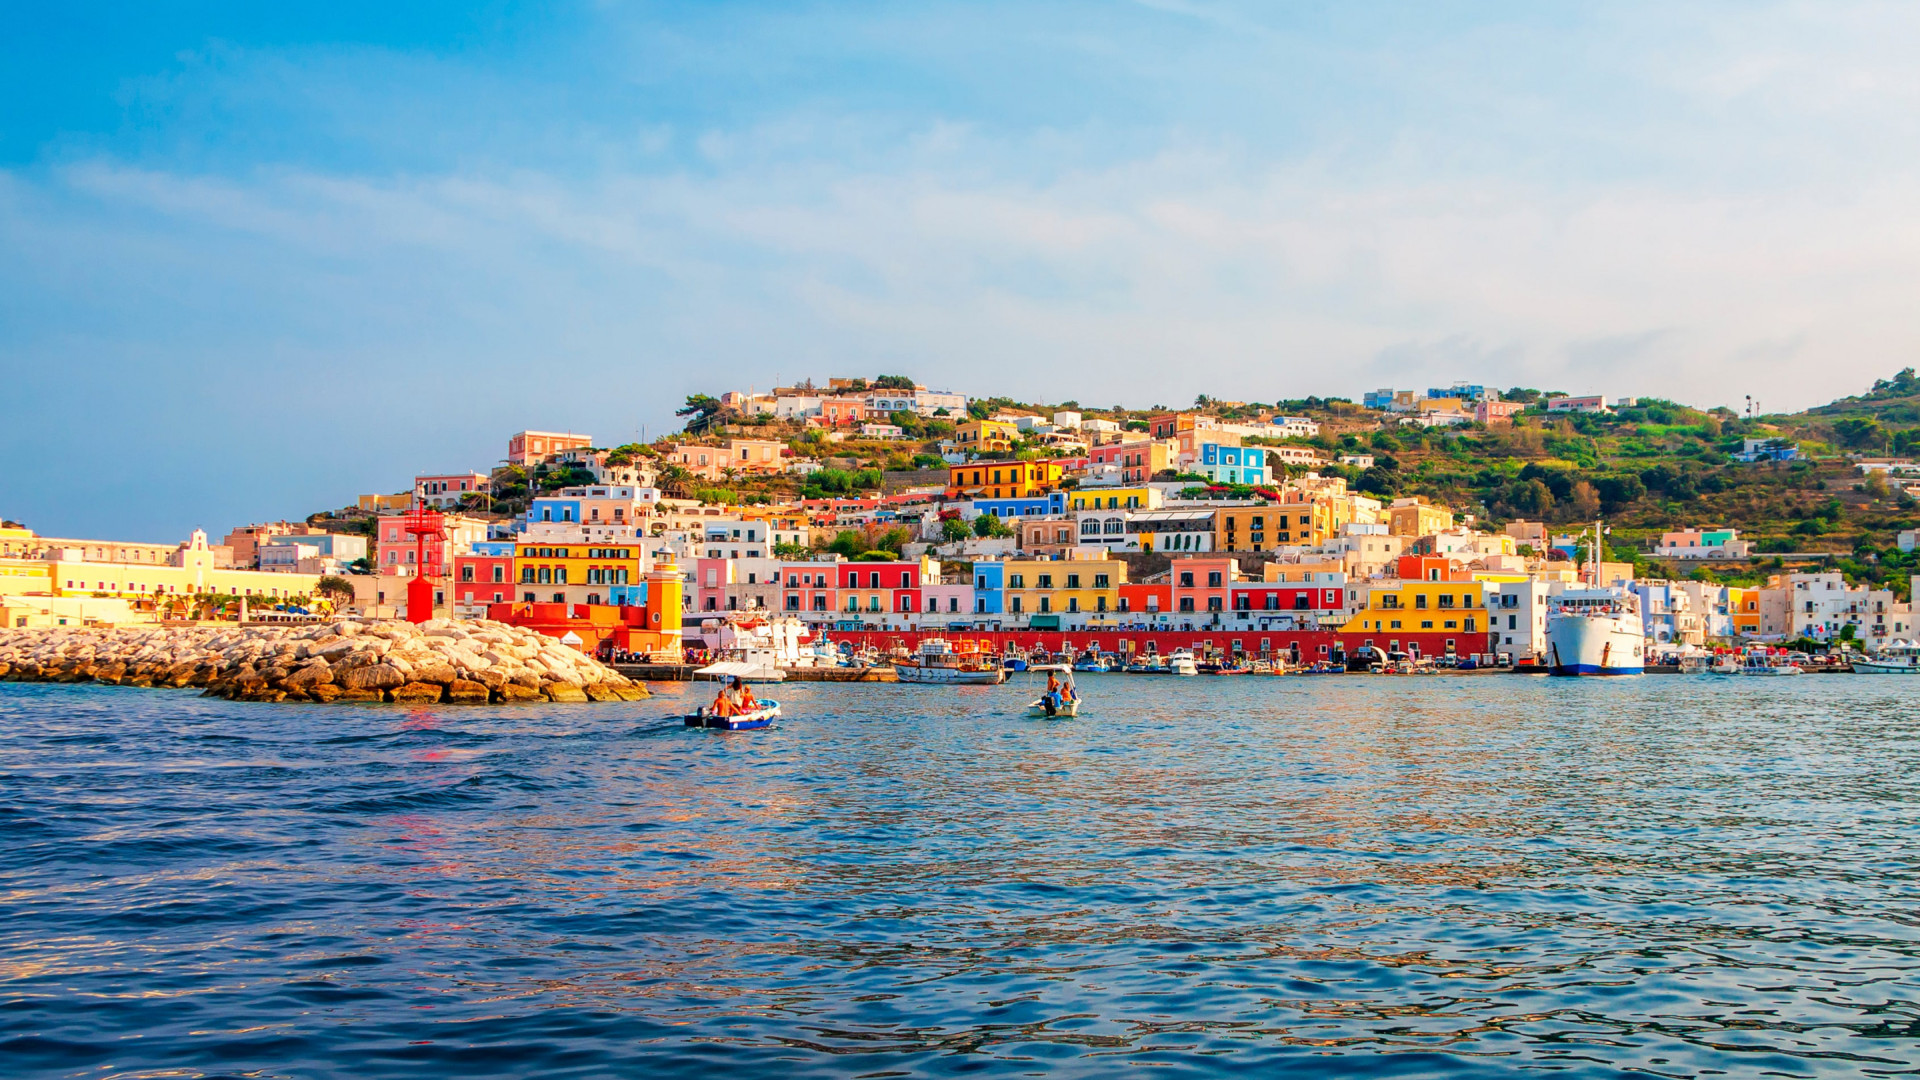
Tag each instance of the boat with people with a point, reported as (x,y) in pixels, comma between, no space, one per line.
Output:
(1894,658)
(751,720)
(734,708)
(1061,698)
(937,661)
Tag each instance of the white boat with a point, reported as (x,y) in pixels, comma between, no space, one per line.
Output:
(1070,706)
(1595,632)
(747,665)
(937,662)
(1761,662)
(1696,664)
(1894,658)
(761,717)
(1180,662)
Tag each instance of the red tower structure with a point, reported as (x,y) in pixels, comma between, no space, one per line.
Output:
(423,525)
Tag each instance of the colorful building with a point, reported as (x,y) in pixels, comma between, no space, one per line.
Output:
(1202,586)
(484,575)
(529,448)
(976,437)
(1139,460)
(1417,517)
(1003,480)
(1057,593)
(569,568)
(1422,617)
(873,590)
(1225,464)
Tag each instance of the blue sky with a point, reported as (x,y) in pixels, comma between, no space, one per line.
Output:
(256,259)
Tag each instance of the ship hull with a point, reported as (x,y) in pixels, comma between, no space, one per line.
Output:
(908,673)
(1595,645)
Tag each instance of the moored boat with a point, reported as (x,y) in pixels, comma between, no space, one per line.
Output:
(1181,662)
(1763,662)
(937,661)
(1894,658)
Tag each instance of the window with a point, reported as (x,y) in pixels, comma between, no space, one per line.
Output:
(528,597)
(1016,606)
(1186,579)
(1017,581)
(1213,603)
(1186,603)
(1046,604)
(1073,581)
(1100,581)
(1420,600)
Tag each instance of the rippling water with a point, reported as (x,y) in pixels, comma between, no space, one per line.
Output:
(1331,877)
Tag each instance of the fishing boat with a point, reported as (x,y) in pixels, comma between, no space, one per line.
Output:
(1147,664)
(937,661)
(1013,662)
(1762,662)
(1181,662)
(1696,664)
(1894,658)
(1068,701)
(752,720)
(1092,662)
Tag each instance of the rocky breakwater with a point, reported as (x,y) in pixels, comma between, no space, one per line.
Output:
(345,660)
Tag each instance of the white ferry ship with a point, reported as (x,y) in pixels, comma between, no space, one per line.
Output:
(1596,630)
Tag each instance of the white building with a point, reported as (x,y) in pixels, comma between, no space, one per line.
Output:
(1358,461)
(1298,427)
(1517,615)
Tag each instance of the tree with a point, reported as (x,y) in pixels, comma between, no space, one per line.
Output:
(702,409)
(1860,431)
(894,539)
(990,525)
(953,530)
(1530,498)
(1585,501)
(336,590)
(893,382)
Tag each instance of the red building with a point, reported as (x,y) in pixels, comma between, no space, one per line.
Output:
(485,575)
(1281,596)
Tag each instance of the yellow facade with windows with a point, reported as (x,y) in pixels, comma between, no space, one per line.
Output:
(985,436)
(546,562)
(1063,586)
(1003,479)
(1115,498)
(1422,607)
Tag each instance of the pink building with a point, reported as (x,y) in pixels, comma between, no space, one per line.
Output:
(444,490)
(534,447)
(396,553)
(1201,587)
(709,587)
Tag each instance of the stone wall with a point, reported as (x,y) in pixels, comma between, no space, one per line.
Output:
(345,660)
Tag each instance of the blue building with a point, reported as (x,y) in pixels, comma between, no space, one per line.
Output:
(1052,504)
(1465,391)
(1377,399)
(1232,464)
(989,585)
(553,508)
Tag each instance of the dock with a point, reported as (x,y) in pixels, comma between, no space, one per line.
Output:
(684,673)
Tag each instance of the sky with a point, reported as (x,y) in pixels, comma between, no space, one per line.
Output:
(256,259)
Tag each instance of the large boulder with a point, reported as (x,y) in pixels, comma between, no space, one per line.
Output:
(416,693)
(467,692)
(360,695)
(565,693)
(514,691)
(372,677)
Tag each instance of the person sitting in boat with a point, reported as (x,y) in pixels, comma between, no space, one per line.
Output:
(722,703)
(743,698)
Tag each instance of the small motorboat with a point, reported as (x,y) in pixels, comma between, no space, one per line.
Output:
(1180,662)
(1761,662)
(1064,703)
(748,721)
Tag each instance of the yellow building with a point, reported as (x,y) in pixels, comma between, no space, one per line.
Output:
(1064,587)
(985,436)
(1417,517)
(1414,606)
(1003,479)
(1115,498)
(598,565)
(194,569)
(385,504)
(21,576)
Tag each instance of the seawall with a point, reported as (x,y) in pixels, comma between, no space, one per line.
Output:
(344,660)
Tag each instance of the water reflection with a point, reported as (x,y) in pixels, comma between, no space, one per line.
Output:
(1325,876)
